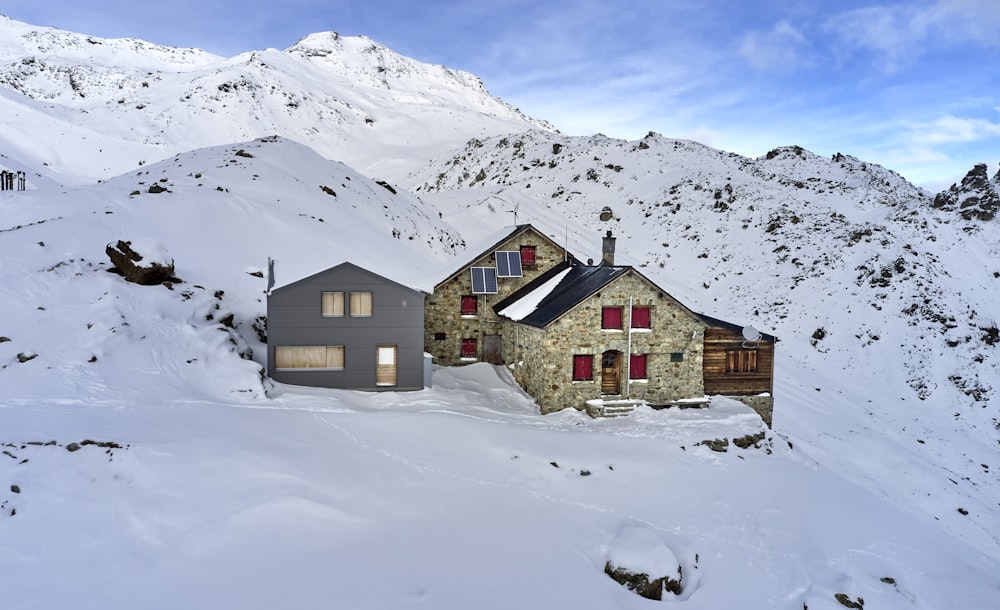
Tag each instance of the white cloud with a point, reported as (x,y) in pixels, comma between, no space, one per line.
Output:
(899,34)
(951,129)
(780,48)
(893,33)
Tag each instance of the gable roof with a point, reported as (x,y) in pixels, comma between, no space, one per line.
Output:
(554,293)
(345,266)
(736,328)
(506,236)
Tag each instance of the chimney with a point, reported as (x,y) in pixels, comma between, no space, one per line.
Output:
(608,250)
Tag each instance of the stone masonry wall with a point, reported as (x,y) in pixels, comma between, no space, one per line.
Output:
(443,308)
(762,404)
(542,360)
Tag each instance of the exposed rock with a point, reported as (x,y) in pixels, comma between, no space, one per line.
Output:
(22,357)
(640,561)
(156,188)
(126,260)
(73,447)
(849,603)
(720,445)
(744,442)
(641,583)
(976,197)
(15,489)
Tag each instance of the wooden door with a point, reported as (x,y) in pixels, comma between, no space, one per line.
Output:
(492,346)
(611,366)
(385,369)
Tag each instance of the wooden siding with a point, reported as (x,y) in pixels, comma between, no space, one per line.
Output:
(719,379)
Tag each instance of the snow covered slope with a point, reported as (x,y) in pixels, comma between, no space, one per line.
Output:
(93,108)
(881,294)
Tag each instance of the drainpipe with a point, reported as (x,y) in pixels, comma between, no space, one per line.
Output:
(628,363)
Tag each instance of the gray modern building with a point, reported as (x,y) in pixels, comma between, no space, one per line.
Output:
(348,328)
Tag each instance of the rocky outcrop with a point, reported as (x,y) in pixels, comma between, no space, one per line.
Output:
(975,198)
(126,262)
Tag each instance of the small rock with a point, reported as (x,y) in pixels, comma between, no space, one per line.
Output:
(15,489)
(73,447)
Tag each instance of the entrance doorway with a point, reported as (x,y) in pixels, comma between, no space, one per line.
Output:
(492,345)
(385,370)
(611,369)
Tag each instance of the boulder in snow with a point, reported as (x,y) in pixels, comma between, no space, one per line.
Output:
(126,261)
(641,562)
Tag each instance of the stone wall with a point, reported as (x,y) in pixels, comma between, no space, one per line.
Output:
(444,324)
(763,404)
(542,359)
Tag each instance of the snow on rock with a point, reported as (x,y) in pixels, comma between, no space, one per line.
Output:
(639,560)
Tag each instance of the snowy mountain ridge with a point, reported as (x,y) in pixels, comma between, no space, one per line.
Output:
(130,102)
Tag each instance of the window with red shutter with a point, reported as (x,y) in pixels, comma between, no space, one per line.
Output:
(640,317)
(470,305)
(611,317)
(637,366)
(469,348)
(527,256)
(583,367)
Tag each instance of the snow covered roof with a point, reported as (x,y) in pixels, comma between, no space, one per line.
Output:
(552,294)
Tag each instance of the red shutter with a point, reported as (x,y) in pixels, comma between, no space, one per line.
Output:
(640,317)
(611,317)
(583,368)
(470,305)
(468,348)
(637,366)
(527,256)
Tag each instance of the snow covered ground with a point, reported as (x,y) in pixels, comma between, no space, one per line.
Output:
(452,497)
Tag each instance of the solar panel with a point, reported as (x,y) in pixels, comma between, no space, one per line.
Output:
(484,280)
(508,263)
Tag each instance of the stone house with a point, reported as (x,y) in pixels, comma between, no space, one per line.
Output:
(459,321)
(347,327)
(602,335)
(597,337)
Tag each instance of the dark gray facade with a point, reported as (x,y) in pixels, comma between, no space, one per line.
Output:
(296,321)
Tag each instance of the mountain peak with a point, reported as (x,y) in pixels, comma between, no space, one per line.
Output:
(975,197)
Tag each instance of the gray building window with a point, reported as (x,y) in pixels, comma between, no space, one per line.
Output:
(333,304)
(361,304)
(329,357)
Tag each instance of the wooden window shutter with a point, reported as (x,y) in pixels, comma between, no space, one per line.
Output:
(637,366)
(361,303)
(527,256)
(640,317)
(335,357)
(470,305)
(611,317)
(583,367)
(333,304)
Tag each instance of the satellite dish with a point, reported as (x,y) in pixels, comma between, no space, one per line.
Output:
(751,335)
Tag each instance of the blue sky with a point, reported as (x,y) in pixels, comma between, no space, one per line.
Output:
(913,86)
